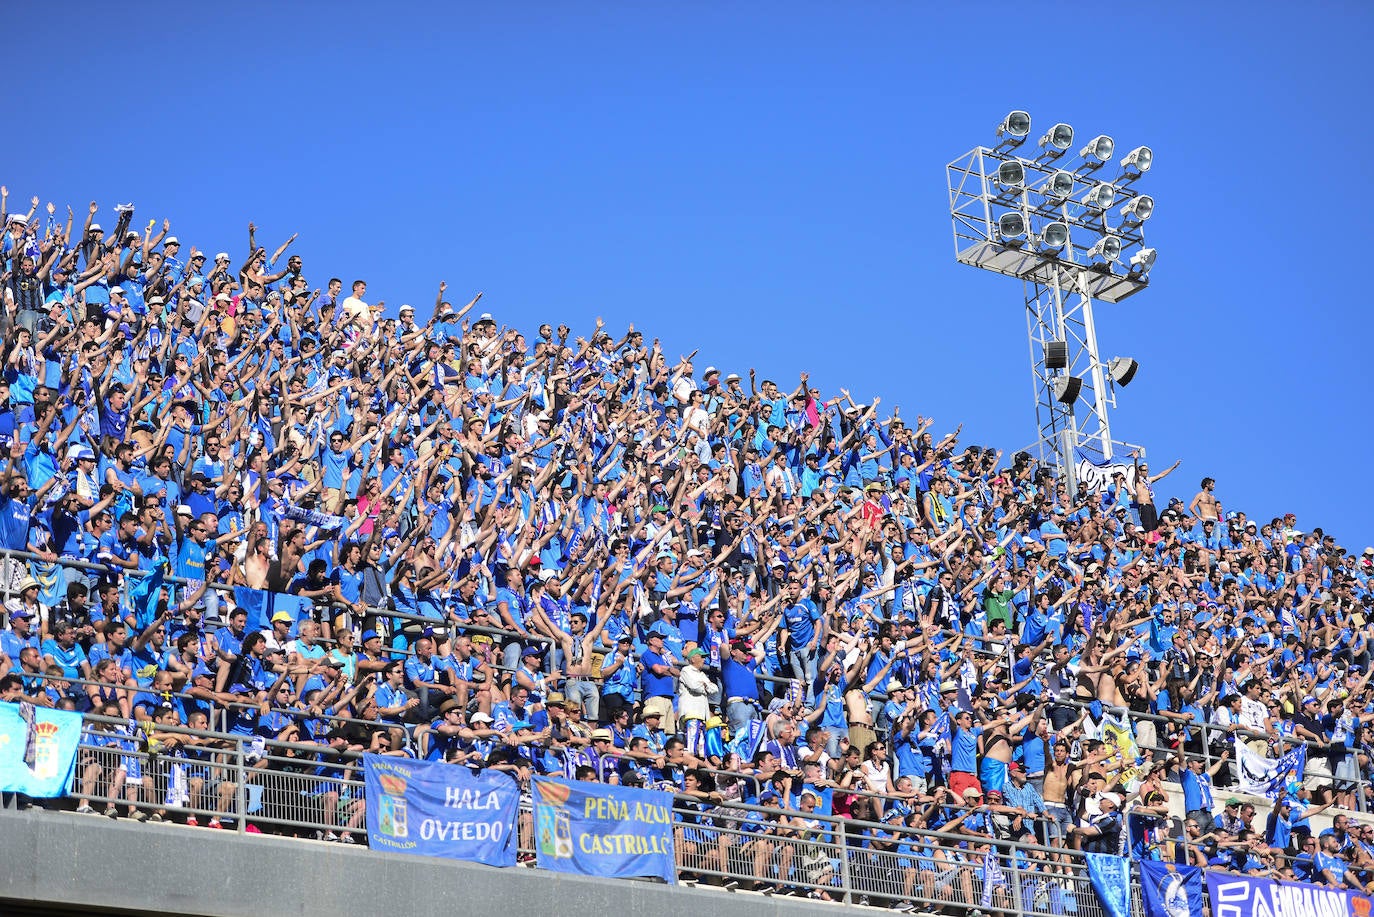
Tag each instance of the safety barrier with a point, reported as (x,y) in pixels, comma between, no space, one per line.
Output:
(232,781)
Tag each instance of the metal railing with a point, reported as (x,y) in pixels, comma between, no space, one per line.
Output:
(233,781)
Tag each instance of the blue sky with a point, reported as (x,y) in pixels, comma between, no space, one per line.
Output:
(765,182)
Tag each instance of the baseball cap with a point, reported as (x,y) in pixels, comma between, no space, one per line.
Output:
(281,616)
(370,635)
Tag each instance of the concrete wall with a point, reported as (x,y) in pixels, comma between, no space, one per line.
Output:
(87,862)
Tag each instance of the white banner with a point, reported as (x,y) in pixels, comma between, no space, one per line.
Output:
(1261,776)
(1099,477)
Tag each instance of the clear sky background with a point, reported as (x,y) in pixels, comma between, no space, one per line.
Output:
(765,182)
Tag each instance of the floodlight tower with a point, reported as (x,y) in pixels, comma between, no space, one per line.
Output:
(1072,231)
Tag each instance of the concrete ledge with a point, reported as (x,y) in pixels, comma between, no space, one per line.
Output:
(90,863)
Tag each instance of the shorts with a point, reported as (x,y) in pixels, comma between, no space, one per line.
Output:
(959,781)
(860,736)
(663,706)
(1058,821)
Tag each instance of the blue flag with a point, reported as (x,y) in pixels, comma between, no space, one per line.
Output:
(1170,889)
(596,830)
(37,749)
(1111,878)
(440,810)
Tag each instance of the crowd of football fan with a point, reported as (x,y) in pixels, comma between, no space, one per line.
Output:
(249,505)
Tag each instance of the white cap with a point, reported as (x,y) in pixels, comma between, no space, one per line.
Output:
(222,256)
(95,227)
(22,218)
(117,289)
(485,317)
(171,240)
(708,371)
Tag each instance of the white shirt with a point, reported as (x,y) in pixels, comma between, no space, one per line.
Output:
(693,688)
(1254,714)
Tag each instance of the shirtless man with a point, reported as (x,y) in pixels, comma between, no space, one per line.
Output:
(258,559)
(1096,673)
(1205,505)
(1144,493)
(996,744)
(1058,772)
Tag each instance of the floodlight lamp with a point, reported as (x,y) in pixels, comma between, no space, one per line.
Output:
(1056,141)
(1099,197)
(1142,261)
(1106,250)
(1014,129)
(1012,228)
(1011,175)
(1053,237)
(1137,162)
(1122,370)
(1098,151)
(1058,187)
(1137,210)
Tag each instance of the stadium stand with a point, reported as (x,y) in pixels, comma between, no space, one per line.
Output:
(253,528)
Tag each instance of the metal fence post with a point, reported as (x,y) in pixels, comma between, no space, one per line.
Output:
(240,789)
(846,879)
(1014,877)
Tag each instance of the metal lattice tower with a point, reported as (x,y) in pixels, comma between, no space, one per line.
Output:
(1071,230)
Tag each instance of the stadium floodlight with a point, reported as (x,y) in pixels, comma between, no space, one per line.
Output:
(1137,210)
(1058,187)
(1013,130)
(1011,175)
(1011,227)
(1137,162)
(1066,227)
(1142,261)
(1099,197)
(1105,251)
(1056,141)
(1066,389)
(1053,237)
(1098,151)
(1122,370)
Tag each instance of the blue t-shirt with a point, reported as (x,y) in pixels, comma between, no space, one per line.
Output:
(656,685)
(964,749)
(69,659)
(801,621)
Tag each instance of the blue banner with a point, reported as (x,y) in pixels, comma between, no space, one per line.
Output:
(1111,878)
(1170,889)
(596,830)
(1241,896)
(37,749)
(440,810)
